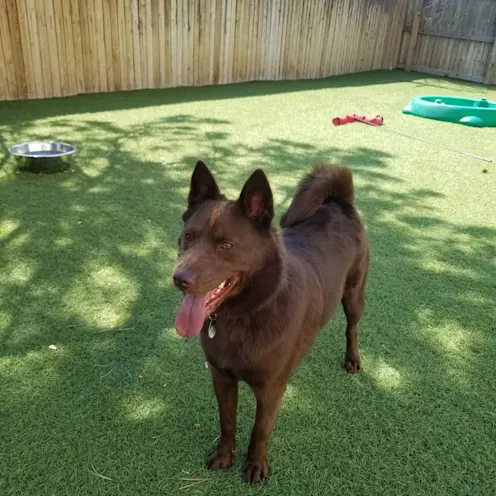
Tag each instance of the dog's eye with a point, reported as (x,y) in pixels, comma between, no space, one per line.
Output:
(188,236)
(226,245)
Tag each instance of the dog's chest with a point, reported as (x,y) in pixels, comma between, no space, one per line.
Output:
(225,348)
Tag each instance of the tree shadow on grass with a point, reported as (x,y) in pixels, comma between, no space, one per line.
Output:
(122,404)
(419,419)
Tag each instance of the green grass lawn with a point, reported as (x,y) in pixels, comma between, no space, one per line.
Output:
(124,406)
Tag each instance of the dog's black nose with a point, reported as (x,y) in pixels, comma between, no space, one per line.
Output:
(182,280)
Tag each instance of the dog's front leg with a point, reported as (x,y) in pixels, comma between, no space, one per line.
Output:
(256,468)
(226,391)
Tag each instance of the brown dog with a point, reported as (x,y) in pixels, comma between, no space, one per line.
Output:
(259,296)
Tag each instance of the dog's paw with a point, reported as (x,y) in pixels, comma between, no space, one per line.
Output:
(256,470)
(219,458)
(351,365)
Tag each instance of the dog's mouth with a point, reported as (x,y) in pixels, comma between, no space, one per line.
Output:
(194,309)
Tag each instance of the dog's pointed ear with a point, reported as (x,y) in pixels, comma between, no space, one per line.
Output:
(203,186)
(256,199)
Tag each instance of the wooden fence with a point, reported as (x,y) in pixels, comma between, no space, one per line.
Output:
(52,48)
(455,38)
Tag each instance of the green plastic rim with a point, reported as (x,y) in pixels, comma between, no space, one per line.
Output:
(468,111)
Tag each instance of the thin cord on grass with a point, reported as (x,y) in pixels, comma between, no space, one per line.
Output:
(399,133)
(105,375)
(192,484)
(193,479)
(98,474)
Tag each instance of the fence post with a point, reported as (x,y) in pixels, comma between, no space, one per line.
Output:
(490,76)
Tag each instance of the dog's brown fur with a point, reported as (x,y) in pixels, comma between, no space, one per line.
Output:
(292,283)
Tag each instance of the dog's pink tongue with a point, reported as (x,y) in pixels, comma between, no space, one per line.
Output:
(191,315)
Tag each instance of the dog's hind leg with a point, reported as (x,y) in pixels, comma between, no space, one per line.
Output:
(353,302)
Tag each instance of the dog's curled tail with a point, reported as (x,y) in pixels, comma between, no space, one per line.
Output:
(323,184)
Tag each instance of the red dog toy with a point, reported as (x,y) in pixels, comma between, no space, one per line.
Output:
(374,121)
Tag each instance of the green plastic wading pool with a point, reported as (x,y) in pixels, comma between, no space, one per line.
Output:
(468,111)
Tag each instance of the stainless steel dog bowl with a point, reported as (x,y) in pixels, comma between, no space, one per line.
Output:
(43,156)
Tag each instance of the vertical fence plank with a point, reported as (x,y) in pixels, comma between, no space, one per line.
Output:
(107,43)
(70,49)
(198,35)
(26,49)
(101,45)
(16,48)
(150,58)
(413,41)
(292,40)
(34,39)
(135,23)
(191,40)
(121,38)
(86,48)
(173,43)
(10,71)
(302,37)
(75,28)
(227,41)
(4,83)
(48,76)
(63,62)
(274,39)
(327,41)
(319,40)
(381,42)
(239,41)
(247,40)
(161,45)
(259,47)
(284,24)
(254,52)
(179,64)
(265,37)
(167,48)
(219,25)
(55,63)
(209,24)
(115,43)
(143,42)
(93,44)
(398,24)
(155,47)
(129,44)
(182,24)
(311,34)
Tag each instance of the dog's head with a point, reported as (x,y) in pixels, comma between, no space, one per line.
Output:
(222,243)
